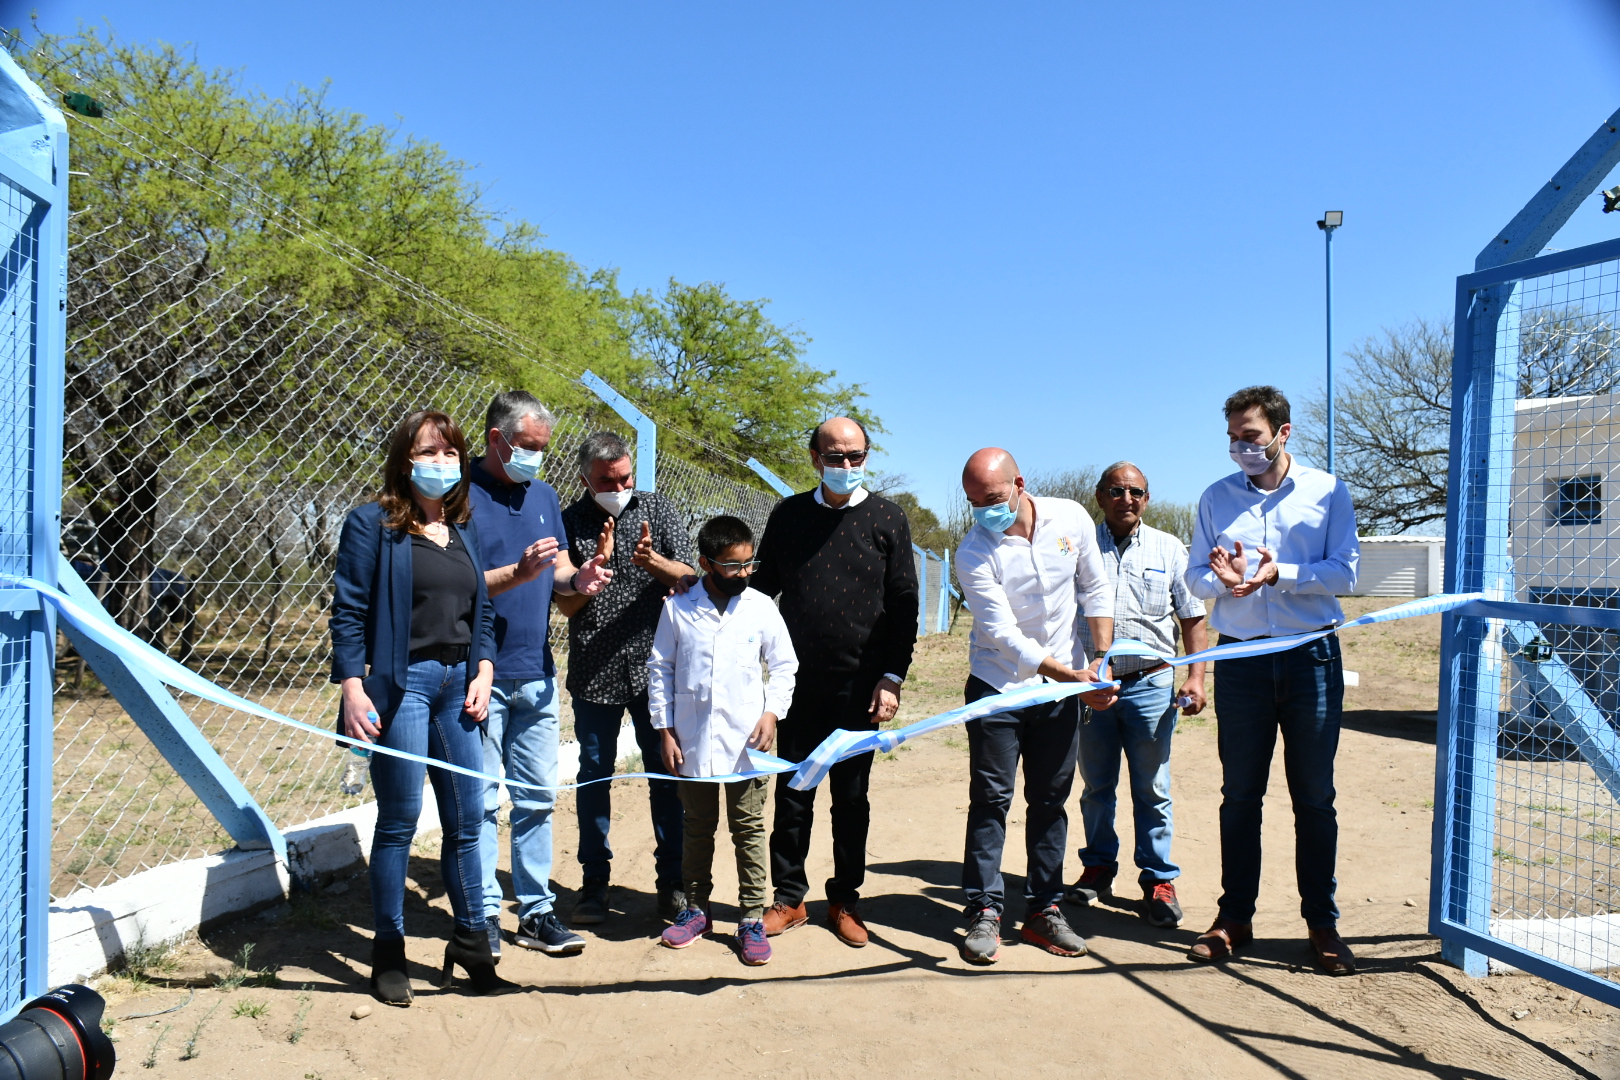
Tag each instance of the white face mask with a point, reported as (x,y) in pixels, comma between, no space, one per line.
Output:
(614,502)
(1253,458)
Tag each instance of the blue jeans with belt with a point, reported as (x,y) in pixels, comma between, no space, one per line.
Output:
(1141,724)
(429,722)
(1299,693)
(520,743)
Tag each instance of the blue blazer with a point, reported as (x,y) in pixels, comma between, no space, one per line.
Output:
(371,608)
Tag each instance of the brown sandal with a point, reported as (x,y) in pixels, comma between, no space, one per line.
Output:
(1220,941)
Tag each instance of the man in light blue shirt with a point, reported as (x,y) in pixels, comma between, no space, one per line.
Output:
(1275,545)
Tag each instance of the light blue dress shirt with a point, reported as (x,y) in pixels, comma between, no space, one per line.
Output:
(1308,524)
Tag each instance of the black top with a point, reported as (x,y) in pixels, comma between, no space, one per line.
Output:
(848,583)
(612,636)
(443,588)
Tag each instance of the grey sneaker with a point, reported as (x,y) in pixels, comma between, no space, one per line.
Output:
(1095,882)
(671,902)
(983,942)
(592,907)
(545,934)
(492,923)
(1052,932)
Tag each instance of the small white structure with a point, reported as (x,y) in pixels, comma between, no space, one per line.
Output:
(1401,566)
(1565,526)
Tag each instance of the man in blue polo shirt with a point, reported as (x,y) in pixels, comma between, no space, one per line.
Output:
(525,560)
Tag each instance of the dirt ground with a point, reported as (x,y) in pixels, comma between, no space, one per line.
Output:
(906,1004)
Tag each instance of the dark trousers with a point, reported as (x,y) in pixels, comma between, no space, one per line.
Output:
(1047,738)
(596,726)
(823,703)
(1301,694)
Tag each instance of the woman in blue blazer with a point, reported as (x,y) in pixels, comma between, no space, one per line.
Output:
(413,637)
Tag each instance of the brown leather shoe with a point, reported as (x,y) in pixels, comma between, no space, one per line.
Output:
(780,918)
(1332,954)
(846,922)
(1221,940)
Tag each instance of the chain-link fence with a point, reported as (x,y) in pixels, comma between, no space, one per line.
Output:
(216,437)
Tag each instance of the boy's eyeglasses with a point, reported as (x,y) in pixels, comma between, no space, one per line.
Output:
(1119,492)
(732,569)
(837,460)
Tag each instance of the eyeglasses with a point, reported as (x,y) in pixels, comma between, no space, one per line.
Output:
(1119,492)
(732,569)
(837,460)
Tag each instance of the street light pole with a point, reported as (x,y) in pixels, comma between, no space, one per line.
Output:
(1331,220)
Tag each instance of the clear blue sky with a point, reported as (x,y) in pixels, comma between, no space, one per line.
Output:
(1065,229)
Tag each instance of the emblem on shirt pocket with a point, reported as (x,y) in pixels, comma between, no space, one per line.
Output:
(1064,546)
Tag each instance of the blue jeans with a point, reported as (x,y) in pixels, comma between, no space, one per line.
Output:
(1300,693)
(520,742)
(1141,724)
(596,726)
(1045,737)
(429,722)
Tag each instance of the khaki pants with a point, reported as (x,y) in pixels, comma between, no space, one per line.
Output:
(745,813)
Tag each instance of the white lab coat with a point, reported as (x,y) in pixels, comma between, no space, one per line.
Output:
(704,677)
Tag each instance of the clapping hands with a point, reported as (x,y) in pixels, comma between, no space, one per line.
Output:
(1230,568)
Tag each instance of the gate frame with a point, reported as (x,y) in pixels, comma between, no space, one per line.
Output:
(1478,560)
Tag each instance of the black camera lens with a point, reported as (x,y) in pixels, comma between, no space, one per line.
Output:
(58,1037)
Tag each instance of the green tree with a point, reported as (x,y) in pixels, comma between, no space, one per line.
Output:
(927,530)
(718,369)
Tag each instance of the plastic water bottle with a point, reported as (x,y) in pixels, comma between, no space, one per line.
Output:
(354,778)
(1184,701)
(358,750)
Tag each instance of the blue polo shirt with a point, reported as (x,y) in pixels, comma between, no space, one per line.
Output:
(510,517)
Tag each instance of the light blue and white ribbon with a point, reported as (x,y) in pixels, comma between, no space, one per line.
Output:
(841,745)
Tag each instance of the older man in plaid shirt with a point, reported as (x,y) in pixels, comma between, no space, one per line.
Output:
(1151,602)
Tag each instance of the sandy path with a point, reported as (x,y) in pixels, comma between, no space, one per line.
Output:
(907,1004)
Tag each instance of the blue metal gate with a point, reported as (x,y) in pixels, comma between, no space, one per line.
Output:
(1527,825)
(33,275)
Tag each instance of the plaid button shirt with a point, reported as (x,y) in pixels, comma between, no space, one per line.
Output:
(1150,593)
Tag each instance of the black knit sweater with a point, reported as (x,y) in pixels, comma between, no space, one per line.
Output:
(848,583)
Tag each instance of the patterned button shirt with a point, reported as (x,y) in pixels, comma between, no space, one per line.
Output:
(610,639)
(1150,593)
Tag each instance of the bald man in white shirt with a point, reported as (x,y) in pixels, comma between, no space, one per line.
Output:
(1021,566)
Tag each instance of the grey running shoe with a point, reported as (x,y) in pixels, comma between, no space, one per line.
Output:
(983,942)
(1094,882)
(544,933)
(492,923)
(671,902)
(1162,907)
(592,907)
(1052,932)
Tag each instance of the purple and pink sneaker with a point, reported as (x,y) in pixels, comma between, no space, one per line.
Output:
(688,926)
(752,943)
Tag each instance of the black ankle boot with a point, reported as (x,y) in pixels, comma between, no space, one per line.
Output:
(470,950)
(389,982)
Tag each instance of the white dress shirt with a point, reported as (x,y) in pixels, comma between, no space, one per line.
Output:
(704,678)
(1308,524)
(856,497)
(1023,593)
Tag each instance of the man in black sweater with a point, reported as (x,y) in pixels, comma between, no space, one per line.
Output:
(840,558)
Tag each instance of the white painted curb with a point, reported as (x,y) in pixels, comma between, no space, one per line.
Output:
(90,928)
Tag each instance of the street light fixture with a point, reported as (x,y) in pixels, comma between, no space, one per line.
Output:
(1331,219)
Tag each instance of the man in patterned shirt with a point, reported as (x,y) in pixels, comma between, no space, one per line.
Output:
(610,637)
(1151,601)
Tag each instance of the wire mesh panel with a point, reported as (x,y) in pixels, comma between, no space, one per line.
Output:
(19,238)
(1530,828)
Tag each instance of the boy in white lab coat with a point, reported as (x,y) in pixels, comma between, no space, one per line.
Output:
(707,697)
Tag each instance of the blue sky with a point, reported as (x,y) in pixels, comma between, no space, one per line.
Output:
(1067,229)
